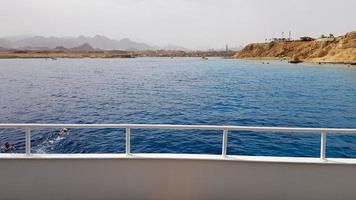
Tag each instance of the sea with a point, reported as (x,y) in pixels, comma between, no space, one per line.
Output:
(178,91)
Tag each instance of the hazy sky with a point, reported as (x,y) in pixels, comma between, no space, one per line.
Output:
(190,23)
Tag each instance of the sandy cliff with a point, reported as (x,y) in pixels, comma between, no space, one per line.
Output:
(335,50)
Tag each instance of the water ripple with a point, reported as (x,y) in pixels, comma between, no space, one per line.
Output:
(178,91)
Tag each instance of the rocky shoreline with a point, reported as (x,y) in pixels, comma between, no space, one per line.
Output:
(335,50)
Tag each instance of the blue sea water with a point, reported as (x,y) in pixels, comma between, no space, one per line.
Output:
(178,91)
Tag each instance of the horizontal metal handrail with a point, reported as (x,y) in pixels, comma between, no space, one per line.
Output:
(171,126)
(225,129)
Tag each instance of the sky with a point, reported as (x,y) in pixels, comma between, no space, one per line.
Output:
(194,24)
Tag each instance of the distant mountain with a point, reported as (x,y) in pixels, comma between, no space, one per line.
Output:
(3,49)
(96,42)
(5,43)
(41,48)
(83,47)
(60,48)
(128,44)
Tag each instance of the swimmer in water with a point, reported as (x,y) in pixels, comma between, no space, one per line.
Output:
(63,132)
(7,147)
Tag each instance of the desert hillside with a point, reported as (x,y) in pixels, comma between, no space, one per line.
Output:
(332,49)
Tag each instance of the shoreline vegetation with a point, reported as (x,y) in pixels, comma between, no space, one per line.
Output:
(325,50)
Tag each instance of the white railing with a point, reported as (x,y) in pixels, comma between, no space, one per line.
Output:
(224,129)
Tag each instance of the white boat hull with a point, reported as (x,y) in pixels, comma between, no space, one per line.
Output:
(160,176)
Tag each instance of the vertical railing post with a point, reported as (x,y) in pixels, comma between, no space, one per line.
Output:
(28,142)
(128,141)
(224,143)
(323,145)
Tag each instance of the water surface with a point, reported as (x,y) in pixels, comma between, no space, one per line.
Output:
(178,91)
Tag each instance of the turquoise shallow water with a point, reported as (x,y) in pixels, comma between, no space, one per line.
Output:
(178,91)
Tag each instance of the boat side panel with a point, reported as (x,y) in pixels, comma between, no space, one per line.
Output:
(89,179)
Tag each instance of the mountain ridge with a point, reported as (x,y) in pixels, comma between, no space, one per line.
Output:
(97,42)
